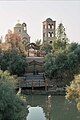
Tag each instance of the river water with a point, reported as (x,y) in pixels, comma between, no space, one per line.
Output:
(42,107)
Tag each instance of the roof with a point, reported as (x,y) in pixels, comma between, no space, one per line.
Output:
(18,25)
(35,59)
(49,19)
(33,45)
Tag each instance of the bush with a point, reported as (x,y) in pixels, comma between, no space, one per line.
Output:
(13,62)
(11,106)
(73,91)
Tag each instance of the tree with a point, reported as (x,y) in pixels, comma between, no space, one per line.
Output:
(49,63)
(73,91)
(38,42)
(72,46)
(61,39)
(12,38)
(46,47)
(14,62)
(11,106)
(15,42)
(63,65)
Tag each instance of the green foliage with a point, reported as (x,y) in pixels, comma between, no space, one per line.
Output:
(77,52)
(14,62)
(61,40)
(38,42)
(49,65)
(72,47)
(63,64)
(11,106)
(73,91)
(55,65)
(46,47)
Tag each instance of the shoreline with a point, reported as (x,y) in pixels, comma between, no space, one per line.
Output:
(42,92)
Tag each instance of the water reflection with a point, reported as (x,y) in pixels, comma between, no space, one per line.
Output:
(51,108)
(48,105)
(36,113)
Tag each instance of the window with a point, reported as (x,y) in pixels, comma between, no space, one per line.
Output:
(44,35)
(52,26)
(44,26)
(20,30)
(52,34)
(49,34)
(48,26)
(50,42)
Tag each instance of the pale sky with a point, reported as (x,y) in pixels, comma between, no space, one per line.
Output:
(35,12)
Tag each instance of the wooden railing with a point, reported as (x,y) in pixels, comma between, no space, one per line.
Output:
(33,83)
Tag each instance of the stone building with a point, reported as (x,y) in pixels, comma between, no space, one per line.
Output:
(21,29)
(49,28)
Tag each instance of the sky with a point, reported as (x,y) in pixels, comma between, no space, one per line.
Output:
(34,12)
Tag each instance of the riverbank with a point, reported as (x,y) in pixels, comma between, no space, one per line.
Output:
(43,92)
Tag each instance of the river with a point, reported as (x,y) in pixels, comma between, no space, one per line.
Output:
(42,107)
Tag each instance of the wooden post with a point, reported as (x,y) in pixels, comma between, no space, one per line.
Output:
(32,85)
(45,85)
(39,83)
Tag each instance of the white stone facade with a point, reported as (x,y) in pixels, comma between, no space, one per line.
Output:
(49,28)
(21,29)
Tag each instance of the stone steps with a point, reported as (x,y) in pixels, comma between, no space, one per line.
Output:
(32,80)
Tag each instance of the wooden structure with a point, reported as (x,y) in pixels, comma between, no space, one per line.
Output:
(33,81)
(33,50)
(35,65)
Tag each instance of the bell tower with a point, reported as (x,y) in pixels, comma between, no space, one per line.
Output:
(49,27)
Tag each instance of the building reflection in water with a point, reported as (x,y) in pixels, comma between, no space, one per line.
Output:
(40,108)
(36,113)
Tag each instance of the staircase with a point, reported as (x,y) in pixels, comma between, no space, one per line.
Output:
(30,80)
(30,77)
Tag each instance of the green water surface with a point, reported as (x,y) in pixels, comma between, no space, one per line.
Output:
(42,107)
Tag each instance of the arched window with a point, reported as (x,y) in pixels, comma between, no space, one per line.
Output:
(52,26)
(52,34)
(49,34)
(44,35)
(44,26)
(48,26)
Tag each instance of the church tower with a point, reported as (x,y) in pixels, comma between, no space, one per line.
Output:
(49,27)
(21,29)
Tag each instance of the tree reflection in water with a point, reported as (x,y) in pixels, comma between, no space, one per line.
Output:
(49,108)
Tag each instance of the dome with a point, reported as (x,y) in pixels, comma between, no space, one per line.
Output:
(18,25)
(49,20)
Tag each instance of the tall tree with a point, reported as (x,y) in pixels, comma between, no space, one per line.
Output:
(15,41)
(61,39)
